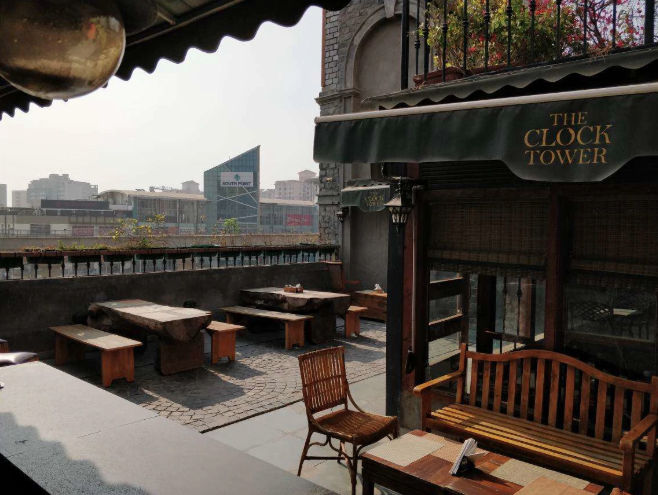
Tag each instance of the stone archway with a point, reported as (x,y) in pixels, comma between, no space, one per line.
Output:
(373,59)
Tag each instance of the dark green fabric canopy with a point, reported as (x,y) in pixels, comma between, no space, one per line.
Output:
(577,136)
(367,196)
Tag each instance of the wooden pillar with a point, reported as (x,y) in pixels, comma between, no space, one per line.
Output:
(420,292)
(555,272)
(486,312)
(408,381)
(527,309)
(394,291)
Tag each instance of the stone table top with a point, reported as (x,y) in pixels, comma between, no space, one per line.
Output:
(309,300)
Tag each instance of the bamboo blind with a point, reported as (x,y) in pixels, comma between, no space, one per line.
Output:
(615,242)
(489,237)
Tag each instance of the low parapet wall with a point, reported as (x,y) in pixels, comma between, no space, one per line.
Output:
(29,307)
(18,243)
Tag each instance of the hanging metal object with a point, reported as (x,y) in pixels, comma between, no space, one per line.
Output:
(60,49)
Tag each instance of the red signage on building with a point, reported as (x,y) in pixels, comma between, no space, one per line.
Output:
(298,220)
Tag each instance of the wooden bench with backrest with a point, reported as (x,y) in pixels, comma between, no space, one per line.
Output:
(117,352)
(294,324)
(553,410)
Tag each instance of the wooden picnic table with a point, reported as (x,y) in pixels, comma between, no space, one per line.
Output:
(428,473)
(324,306)
(178,329)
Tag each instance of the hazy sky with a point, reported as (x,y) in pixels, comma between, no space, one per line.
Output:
(170,126)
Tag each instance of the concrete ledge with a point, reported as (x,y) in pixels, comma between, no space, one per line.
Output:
(70,437)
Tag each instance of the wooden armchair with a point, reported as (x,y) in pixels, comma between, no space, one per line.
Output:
(324,387)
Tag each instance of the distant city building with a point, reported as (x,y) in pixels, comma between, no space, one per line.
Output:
(267,194)
(232,190)
(3,195)
(19,199)
(58,187)
(191,187)
(57,217)
(184,213)
(303,189)
(288,216)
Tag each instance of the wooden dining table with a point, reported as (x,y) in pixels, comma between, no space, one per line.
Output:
(180,341)
(410,465)
(322,305)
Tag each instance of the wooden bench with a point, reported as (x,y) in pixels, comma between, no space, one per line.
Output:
(294,324)
(553,410)
(222,340)
(353,320)
(117,356)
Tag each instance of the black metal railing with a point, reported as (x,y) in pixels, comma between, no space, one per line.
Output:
(56,263)
(465,37)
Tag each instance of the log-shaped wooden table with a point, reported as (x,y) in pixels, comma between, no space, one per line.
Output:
(323,306)
(178,329)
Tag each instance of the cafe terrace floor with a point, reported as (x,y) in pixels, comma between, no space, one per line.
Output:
(264,377)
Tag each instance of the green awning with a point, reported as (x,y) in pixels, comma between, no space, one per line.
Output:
(575,136)
(367,197)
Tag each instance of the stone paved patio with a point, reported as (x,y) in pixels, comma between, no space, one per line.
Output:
(263,378)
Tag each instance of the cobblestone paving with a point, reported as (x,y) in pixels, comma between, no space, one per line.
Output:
(264,377)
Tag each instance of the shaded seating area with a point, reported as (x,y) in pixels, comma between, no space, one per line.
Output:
(325,387)
(553,410)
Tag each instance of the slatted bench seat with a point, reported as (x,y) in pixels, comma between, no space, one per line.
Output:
(117,352)
(553,410)
(222,340)
(294,324)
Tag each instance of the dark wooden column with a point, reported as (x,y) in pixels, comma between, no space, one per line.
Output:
(555,272)
(486,312)
(404,56)
(394,315)
(420,292)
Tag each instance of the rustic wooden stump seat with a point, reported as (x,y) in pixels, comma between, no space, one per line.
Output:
(553,410)
(117,356)
(222,340)
(353,320)
(294,324)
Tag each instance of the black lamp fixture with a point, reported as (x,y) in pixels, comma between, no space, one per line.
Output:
(402,203)
(342,213)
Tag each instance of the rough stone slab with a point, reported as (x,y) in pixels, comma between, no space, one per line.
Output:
(73,438)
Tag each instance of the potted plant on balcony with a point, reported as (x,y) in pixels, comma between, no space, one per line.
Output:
(525,48)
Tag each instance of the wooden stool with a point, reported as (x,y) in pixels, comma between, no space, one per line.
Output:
(353,320)
(222,338)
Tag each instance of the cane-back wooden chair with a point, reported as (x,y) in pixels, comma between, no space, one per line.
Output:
(325,387)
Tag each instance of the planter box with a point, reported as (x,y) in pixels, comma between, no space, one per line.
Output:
(452,74)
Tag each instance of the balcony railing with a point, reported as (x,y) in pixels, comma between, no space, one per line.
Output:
(464,37)
(39,264)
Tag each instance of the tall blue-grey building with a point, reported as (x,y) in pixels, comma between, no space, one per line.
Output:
(233,190)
